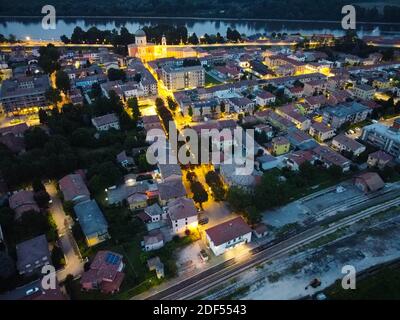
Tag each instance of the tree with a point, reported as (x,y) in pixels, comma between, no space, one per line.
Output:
(43,117)
(171,103)
(190,111)
(62,81)
(253,215)
(48,59)
(116,74)
(199,193)
(42,198)
(193,39)
(222,106)
(134,106)
(35,137)
(37,185)
(96,90)
(238,198)
(53,96)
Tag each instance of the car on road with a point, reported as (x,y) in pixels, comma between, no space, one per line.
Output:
(32,291)
(203,221)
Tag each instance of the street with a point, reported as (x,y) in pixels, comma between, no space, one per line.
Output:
(74,264)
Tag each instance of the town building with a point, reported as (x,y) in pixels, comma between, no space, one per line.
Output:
(24,94)
(106,122)
(330,158)
(147,51)
(154,240)
(369,182)
(228,235)
(265,98)
(280,145)
(353,112)
(182,213)
(22,202)
(177,78)
(92,222)
(105,273)
(321,131)
(74,188)
(379,159)
(344,143)
(32,255)
(363,91)
(384,137)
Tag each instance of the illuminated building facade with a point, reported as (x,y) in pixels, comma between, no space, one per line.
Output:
(147,51)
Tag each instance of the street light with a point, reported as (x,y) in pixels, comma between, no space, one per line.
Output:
(28,38)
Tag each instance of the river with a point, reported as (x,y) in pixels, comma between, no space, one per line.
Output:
(23,27)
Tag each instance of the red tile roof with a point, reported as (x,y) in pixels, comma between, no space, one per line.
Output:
(228,230)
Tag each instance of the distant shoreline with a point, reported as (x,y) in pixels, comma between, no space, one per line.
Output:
(201,18)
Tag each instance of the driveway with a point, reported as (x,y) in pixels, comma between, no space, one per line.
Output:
(74,264)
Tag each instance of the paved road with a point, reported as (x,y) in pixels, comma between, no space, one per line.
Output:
(200,283)
(74,264)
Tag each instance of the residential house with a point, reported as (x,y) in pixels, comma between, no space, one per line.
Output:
(293,113)
(105,273)
(330,157)
(22,202)
(267,162)
(154,240)
(344,143)
(264,129)
(300,139)
(315,87)
(228,235)
(151,122)
(154,212)
(183,214)
(156,264)
(32,255)
(242,104)
(363,91)
(137,200)
(379,159)
(92,222)
(170,171)
(265,98)
(352,112)
(321,131)
(74,188)
(280,145)
(294,92)
(124,160)
(314,103)
(295,159)
(170,190)
(106,122)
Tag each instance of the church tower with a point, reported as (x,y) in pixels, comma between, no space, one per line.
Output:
(163,40)
(140,38)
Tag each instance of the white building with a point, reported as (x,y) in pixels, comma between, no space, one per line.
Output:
(228,235)
(106,122)
(183,215)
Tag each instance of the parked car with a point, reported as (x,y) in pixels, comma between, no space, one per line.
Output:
(203,255)
(203,221)
(31,291)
